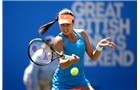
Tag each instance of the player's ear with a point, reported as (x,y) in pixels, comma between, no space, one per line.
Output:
(73,22)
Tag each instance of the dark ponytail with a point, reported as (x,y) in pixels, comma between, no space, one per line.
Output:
(45,27)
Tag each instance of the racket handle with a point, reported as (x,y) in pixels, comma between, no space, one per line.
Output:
(68,57)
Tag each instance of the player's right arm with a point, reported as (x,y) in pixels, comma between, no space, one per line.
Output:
(59,46)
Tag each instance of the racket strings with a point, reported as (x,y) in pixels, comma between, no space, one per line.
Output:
(40,53)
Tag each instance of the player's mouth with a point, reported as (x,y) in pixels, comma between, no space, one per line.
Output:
(65,31)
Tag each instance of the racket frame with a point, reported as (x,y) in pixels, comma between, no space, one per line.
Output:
(52,49)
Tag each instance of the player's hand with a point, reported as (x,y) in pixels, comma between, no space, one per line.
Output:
(75,60)
(106,43)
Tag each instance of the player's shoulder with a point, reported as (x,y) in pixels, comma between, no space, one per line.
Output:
(58,39)
(81,31)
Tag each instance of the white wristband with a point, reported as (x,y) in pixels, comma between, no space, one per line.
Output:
(98,48)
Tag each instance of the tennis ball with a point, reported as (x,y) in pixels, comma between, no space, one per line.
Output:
(74,71)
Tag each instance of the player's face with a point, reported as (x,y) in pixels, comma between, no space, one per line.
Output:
(66,28)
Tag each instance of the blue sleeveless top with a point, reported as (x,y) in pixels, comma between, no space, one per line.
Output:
(62,79)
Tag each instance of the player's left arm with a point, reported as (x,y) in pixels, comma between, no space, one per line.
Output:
(95,53)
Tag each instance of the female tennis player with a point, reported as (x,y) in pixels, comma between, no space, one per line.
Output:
(40,77)
(73,41)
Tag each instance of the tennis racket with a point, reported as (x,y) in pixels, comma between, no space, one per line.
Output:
(42,53)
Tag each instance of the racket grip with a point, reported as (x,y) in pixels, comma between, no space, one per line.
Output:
(68,57)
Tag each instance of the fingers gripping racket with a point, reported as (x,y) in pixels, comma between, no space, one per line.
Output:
(41,52)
